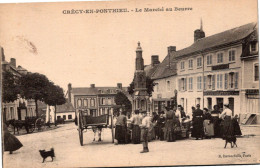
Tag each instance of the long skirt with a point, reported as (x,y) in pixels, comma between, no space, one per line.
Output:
(237,130)
(11,143)
(136,134)
(197,130)
(208,128)
(169,130)
(228,128)
(120,134)
(216,123)
(161,131)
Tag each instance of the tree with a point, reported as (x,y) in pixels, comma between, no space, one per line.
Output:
(149,86)
(55,96)
(122,100)
(34,86)
(10,89)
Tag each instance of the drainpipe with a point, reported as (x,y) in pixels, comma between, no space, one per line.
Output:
(202,79)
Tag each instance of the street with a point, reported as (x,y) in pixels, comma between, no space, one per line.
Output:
(69,153)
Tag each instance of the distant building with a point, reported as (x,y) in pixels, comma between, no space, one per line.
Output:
(20,108)
(95,100)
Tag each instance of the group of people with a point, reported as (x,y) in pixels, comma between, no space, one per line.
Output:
(167,125)
(216,124)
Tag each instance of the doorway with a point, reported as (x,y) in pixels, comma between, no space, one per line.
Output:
(220,103)
(231,104)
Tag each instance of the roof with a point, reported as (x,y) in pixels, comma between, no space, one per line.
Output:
(150,69)
(92,91)
(65,107)
(205,44)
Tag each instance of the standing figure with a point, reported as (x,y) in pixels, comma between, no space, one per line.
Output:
(154,122)
(144,131)
(136,132)
(169,125)
(237,130)
(197,123)
(152,126)
(160,125)
(178,112)
(208,124)
(11,143)
(216,121)
(121,128)
(228,128)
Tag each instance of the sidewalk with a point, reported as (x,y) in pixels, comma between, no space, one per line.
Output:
(250,130)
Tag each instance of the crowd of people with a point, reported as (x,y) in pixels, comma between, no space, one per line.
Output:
(168,125)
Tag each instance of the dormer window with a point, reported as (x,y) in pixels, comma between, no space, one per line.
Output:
(253,46)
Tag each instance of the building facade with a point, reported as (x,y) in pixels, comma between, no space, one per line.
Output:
(94,100)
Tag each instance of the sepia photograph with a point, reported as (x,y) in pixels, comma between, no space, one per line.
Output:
(130,83)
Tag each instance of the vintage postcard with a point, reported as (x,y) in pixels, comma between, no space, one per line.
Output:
(130,83)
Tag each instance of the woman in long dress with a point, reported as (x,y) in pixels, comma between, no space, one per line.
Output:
(228,128)
(121,128)
(11,143)
(169,125)
(160,125)
(136,132)
(208,124)
(216,121)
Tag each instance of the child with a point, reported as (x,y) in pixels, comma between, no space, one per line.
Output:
(144,131)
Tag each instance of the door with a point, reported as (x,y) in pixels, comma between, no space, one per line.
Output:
(231,104)
(209,103)
(220,103)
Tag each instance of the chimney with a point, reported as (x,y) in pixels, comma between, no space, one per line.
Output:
(119,85)
(92,85)
(13,62)
(2,54)
(155,60)
(171,49)
(69,91)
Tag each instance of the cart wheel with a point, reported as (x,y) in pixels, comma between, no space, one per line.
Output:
(80,129)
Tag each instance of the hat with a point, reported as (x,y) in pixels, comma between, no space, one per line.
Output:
(179,106)
(161,112)
(198,105)
(226,105)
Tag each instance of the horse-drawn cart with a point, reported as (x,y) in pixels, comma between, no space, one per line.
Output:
(86,121)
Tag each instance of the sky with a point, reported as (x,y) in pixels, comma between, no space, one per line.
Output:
(99,48)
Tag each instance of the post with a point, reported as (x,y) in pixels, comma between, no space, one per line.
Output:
(112,124)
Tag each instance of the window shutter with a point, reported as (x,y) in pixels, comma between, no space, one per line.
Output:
(236,80)
(179,83)
(185,84)
(226,81)
(205,83)
(213,82)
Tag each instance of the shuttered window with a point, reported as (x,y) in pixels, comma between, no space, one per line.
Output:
(226,81)
(205,83)
(236,80)
(191,83)
(213,82)
(185,84)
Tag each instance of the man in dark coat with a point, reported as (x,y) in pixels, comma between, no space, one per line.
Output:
(197,123)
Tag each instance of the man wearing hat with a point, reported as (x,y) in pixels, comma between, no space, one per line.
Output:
(197,123)
(144,131)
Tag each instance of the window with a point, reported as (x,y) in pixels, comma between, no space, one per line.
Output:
(205,82)
(58,117)
(64,117)
(182,65)
(209,59)
(253,46)
(85,102)
(109,101)
(190,83)
(199,62)
(209,103)
(103,101)
(190,64)
(168,86)
(199,82)
(157,87)
(219,81)
(231,55)
(70,117)
(220,57)
(231,80)
(79,102)
(92,102)
(256,72)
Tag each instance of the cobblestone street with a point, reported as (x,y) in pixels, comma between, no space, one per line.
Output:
(69,153)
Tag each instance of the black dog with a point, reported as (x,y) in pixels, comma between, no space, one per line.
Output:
(45,154)
(232,140)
